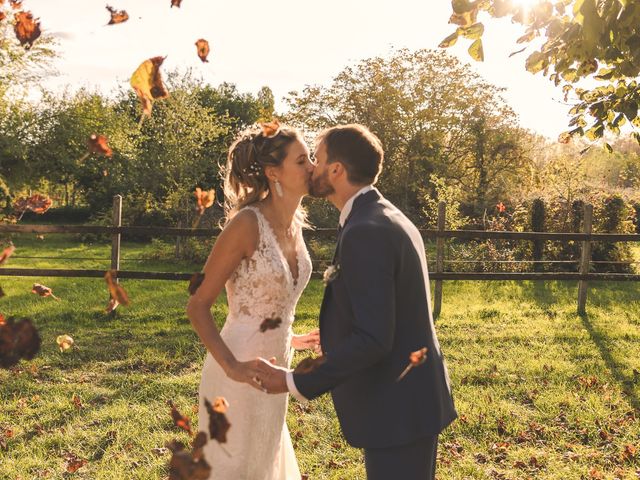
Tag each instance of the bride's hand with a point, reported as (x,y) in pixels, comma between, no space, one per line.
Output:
(309,341)
(246,372)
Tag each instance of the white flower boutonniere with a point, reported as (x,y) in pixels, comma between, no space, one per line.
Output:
(330,273)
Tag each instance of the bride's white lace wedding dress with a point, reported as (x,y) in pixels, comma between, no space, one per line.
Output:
(258,443)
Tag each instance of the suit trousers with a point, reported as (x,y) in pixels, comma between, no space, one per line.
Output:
(416,461)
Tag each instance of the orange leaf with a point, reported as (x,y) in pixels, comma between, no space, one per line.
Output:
(112,305)
(180,420)
(26,28)
(115,290)
(203,49)
(270,129)
(2,16)
(176,3)
(98,144)
(74,463)
(6,253)
(117,16)
(189,465)
(16,4)
(147,83)
(205,199)
(415,359)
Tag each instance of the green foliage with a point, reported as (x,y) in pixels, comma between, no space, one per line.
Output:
(451,195)
(433,115)
(582,40)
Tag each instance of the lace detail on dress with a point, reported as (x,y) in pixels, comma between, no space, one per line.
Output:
(261,287)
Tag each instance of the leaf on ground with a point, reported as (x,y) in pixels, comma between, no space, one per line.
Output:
(65,342)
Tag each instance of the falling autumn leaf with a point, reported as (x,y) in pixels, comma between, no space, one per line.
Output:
(147,83)
(309,364)
(501,207)
(112,305)
(204,199)
(176,3)
(117,16)
(115,289)
(195,282)
(2,16)
(270,324)
(203,49)
(27,29)
(98,144)
(65,342)
(6,253)
(18,339)
(189,465)
(415,359)
(180,420)
(218,423)
(36,203)
(270,129)
(43,291)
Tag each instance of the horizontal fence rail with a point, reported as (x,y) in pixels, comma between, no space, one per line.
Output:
(586,239)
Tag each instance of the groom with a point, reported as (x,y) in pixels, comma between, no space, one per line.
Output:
(375,312)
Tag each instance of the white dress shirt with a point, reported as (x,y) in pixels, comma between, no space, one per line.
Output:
(344,214)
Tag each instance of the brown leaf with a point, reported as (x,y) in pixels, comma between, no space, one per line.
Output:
(98,144)
(218,423)
(112,305)
(309,364)
(195,282)
(74,463)
(176,3)
(77,402)
(115,289)
(18,339)
(43,291)
(188,465)
(117,16)
(27,29)
(203,49)
(37,203)
(270,324)
(180,420)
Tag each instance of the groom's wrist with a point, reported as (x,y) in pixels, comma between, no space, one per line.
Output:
(293,390)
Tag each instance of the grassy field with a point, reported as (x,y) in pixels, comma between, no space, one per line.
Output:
(542,392)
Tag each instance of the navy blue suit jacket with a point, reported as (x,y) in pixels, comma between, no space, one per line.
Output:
(374,313)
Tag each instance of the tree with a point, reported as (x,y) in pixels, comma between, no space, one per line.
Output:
(424,106)
(582,39)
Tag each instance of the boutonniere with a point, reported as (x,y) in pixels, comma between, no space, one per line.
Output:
(330,273)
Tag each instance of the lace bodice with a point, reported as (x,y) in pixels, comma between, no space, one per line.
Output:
(263,286)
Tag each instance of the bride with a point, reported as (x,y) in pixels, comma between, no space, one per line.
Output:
(261,260)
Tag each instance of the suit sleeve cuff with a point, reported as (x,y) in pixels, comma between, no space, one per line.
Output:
(291,386)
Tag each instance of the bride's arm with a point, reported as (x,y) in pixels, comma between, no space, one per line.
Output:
(238,240)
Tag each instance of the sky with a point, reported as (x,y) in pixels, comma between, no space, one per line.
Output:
(284,44)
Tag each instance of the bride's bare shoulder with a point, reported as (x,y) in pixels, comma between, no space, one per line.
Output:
(243,230)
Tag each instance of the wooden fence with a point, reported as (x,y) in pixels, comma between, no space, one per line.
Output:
(583,275)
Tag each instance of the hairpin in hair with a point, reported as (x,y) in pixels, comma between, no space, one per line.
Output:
(270,129)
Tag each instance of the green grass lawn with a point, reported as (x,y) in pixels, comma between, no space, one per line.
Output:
(542,392)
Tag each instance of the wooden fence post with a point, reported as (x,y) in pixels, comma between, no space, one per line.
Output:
(115,238)
(585,260)
(437,293)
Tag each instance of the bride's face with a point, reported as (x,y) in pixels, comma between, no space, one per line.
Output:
(295,171)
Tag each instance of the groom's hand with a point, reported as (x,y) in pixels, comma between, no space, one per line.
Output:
(273,377)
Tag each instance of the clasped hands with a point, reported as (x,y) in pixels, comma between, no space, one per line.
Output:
(268,377)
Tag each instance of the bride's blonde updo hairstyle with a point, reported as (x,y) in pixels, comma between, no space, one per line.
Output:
(254,149)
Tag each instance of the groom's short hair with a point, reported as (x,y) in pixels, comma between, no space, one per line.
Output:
(357,148)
